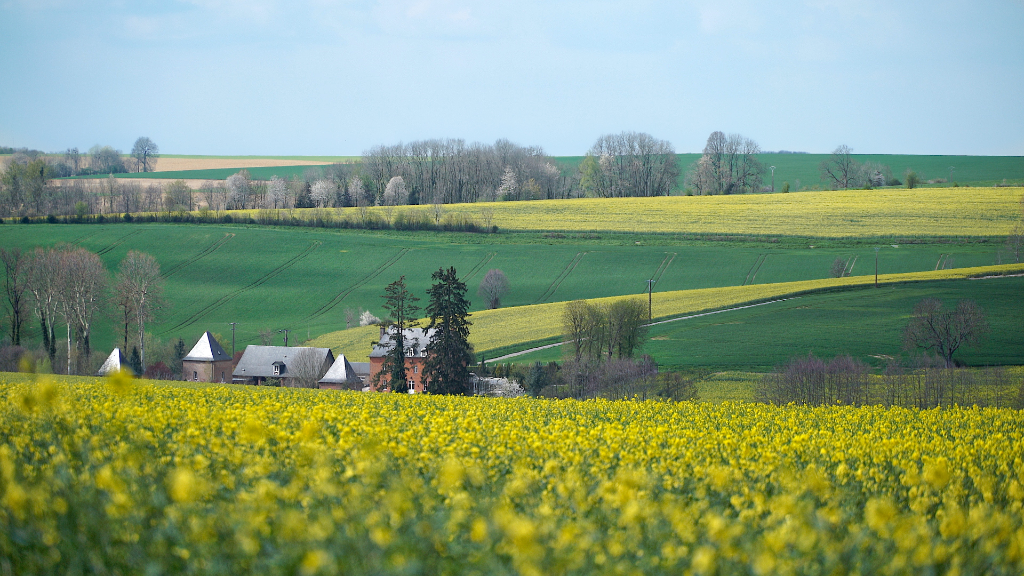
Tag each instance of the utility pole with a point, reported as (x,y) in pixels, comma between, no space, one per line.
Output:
(286,336)
(650,300)
(951,169)
(773,177)
(232,339)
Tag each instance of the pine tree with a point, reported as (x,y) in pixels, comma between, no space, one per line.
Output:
(449,353)
(401,307)
(135,361)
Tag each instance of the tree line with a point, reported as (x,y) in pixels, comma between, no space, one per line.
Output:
(68,286)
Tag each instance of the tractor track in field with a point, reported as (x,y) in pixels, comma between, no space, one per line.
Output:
(192,319)
(333,302)
(479,266)
(752,273)
(561,277)
(945,261)
(78,241)
(198,255)
(848,271)
(665,263)
(118,242)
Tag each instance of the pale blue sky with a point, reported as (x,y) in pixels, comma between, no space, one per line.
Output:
(322,77)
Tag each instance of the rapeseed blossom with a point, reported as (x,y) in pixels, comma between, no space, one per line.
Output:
(170,479)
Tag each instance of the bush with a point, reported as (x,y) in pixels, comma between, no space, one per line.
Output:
(912,179)
(785,187)
(127,217)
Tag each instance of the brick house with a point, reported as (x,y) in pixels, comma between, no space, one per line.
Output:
(206,362)
(416,340)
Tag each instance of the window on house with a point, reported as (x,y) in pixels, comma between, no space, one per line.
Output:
(195,376)
(277,369)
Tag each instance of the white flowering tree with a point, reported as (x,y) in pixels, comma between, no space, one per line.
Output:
(395,193)
(277,192)
(508,187)
(321,192)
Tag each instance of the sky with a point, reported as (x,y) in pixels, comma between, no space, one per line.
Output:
(323,77)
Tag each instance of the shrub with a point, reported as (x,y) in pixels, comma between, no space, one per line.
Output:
(912,179)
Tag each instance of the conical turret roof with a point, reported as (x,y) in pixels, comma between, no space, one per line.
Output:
(116,361)
(207,349)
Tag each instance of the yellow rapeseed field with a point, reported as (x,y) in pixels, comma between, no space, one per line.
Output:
(125,477)
(509,326)
(942,212)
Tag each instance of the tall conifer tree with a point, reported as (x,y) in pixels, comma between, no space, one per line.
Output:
(401,307)
(449,353)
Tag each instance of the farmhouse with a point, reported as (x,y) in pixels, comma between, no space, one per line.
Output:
(207,362)
(114,363)
(297,367)
(416,340)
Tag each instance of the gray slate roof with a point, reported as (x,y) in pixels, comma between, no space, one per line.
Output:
(116,361)
(207,349)
(416,340)
(341,372)
(258,361)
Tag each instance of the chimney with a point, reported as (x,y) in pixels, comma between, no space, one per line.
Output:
(382,330)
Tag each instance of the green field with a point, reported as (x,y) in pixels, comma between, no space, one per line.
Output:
(303,279)
(973,170)
(863,322)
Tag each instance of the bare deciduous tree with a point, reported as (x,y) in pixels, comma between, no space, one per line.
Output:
(145,153)
(82,279)
(728,165)
(635,164)
(16,266)
(306,369)
(943,332)
(44,284)
(139,288)
(494,285)
(840,170)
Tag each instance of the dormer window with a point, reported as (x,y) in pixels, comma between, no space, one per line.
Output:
(278,368)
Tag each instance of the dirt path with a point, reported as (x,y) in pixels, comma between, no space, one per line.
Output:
(691,316)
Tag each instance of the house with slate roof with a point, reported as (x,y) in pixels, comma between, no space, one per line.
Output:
(293,366)
(114,363)
(341,376)
(415,340)
(207,362)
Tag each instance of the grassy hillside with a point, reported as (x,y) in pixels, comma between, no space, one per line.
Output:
(304,279)
(498,332)
(865,323)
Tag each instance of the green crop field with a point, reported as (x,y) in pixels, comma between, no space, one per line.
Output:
(864,322)
(801,170)
(304,279)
